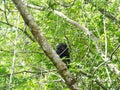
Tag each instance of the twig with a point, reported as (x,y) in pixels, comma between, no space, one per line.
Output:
(108,59)
(24,31)
(114,51)
(101,85)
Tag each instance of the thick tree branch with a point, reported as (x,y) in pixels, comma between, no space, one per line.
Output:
(29,20)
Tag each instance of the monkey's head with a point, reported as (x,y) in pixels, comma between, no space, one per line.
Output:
(62,50)
(61,47)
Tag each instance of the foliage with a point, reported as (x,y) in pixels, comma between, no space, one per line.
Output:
(22,60)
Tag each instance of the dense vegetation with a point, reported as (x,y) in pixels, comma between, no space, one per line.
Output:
(90,28)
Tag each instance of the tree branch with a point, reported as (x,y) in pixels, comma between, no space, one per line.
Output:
(29,20)
(24,31)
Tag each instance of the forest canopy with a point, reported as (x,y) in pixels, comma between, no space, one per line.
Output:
(31,30)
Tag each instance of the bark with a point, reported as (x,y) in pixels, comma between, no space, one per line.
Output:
(29,20)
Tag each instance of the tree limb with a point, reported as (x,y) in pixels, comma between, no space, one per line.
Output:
(29,20)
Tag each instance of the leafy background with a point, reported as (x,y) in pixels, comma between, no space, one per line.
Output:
(33,70)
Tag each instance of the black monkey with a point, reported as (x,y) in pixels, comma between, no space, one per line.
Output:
(63,52)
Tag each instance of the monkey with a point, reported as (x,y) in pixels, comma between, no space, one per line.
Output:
(63,52)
